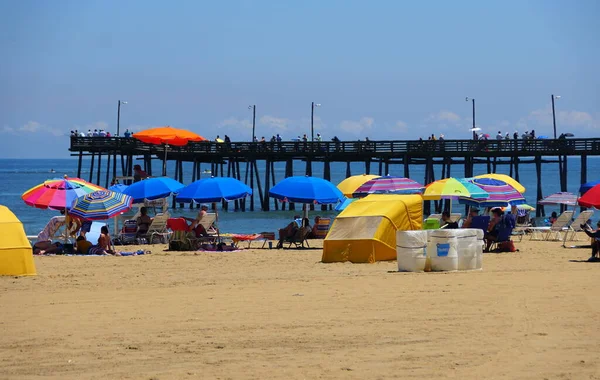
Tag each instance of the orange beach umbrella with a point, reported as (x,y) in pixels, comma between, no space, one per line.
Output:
(167,135)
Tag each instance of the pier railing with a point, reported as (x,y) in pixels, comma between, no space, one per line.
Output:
(390,148)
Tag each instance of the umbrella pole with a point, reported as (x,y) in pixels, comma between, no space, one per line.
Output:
(164,172)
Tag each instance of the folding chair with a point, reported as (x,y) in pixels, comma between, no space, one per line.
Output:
(504,235)
(561,224)
(480,222)
(128,233)
(322,228)
(575,227)
(181,239)
(299,238)
(158,228)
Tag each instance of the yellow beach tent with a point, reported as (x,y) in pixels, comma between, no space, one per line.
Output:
(16,256)
(365,231)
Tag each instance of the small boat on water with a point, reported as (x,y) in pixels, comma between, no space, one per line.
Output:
(206,171)
(52,171)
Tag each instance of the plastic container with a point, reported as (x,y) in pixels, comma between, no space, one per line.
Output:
(442,250)
(411,250)
(469,248)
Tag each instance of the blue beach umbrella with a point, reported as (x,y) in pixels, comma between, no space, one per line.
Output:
(588,185)
(214,189)
(101,205)
(119,187)
(153,188)
(305,189)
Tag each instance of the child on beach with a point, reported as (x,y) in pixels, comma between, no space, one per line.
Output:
(104,246)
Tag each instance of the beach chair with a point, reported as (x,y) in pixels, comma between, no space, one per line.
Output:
(561,224)
(455,217)
(322,228)
(480,222)
(209,223)
(575,227)
(158,229)
(181,238)
(504,235)
(431,224)
(128,233)
(300,238)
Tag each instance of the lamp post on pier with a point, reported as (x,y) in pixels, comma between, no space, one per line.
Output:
(474,131)
(253,107)
(119,116)
(312,120)
(553,113)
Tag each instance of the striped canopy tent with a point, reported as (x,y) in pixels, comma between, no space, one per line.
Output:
(561,198)
(101,205)
(388,185)
(500,193)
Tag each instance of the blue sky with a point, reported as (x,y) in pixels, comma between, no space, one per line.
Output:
(382,69)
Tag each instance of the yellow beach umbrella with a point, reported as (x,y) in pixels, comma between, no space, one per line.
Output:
(350,184)
(503,177)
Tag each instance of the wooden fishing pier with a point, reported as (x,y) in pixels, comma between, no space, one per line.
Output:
(227,159)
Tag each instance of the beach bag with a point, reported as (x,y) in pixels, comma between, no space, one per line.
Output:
(507,246)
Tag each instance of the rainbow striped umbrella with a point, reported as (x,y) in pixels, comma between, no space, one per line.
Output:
(58,194)
(452,188)
(101,205)
(501,194)
(388,185)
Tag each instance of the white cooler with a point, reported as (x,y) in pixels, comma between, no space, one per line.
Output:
(411,250)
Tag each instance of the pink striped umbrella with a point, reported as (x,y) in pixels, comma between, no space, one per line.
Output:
(388,185)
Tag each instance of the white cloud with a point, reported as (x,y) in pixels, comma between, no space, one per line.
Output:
(277,123)
(443,117)
(542,119)
(357,127)
(33,127)
(233,122)
(401,126)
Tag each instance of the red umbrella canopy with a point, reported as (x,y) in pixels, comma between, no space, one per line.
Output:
(167,135)
(591,198)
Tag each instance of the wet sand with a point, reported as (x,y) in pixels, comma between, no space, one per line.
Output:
(281,314)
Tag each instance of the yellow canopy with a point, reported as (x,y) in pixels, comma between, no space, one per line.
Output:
(350,184)
(365,231)
(16,256)
(503,177)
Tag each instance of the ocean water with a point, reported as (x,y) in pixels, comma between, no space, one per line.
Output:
(19,175)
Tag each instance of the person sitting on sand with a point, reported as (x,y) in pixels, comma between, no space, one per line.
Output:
(104,246)
(493,228)
(143,221)
(46,247)
(82,245)
(595,235)
(473,212)
(289,231)
(196,225)
(447,222)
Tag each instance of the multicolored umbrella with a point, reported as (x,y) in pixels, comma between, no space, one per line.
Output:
(452,188)
(562,198)
(504,178)
(101,205)
(388,185)
(350,184)
(591,198)
(58,194)
(500,193)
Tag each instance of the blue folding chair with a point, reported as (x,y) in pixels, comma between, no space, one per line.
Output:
(481,222)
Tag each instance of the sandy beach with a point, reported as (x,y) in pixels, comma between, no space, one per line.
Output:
(281,314)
